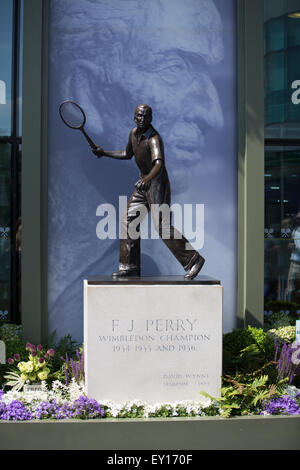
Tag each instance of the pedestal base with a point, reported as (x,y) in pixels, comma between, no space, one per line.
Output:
(152,339)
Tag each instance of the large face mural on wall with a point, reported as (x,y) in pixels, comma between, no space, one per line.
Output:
(109,56)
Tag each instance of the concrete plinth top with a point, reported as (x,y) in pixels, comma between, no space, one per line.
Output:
(158,280)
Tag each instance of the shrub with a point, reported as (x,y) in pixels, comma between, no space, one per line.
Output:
(65,346)
(10,332)
(282,306)
(278,320)
(13,339)
(246,349)
(14,343)
(245,395)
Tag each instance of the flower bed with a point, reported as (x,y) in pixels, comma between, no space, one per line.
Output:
(70,402)
(261,374)
(63,401)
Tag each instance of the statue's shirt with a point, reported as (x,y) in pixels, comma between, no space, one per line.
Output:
(146,148)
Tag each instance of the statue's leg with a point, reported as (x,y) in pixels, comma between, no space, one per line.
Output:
(130,241)
(175,241)
(188,257)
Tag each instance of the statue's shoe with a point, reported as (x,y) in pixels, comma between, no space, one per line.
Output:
(126,273)
(195,268)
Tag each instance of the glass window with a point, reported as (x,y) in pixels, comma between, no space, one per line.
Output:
(10,158)
(6,32)
(282,156)
(282,183)
(5,239)
(275,35)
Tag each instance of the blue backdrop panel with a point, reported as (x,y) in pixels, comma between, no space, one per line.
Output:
(110,55)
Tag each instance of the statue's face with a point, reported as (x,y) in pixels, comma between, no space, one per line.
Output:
(161,53)
(142,118)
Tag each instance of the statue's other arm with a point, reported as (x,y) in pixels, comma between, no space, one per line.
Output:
(125,154)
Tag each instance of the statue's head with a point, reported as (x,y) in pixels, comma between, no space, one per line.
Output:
(143,117)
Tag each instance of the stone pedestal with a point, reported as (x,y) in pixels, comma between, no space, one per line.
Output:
(157,339)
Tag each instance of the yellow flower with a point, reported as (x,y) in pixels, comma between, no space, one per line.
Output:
(22,366)
(32,377)
(29,367)
(34,360)
(24,377)
(43,375)
(40,365)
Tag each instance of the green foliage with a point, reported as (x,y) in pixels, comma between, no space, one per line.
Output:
(278,320)
(246,350)
(135,411)
(282,306)
(14,344)
(14,380)
(13,339)
(245,395)
(62,346)
(10,332)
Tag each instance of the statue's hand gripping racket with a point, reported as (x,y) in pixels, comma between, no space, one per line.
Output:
(74,117)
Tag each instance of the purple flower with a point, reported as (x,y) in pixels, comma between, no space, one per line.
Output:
(15,411)
(64,412)
(83,408)
(17,357)
(2,408)
(276,345)
(52,410)
(28,346)
(285,364)
(51,352)
(39,347)
(10,361)
(41,360)
(66,374)
(73,368)
(282,405)
(46,410)
(33,353)
(86,408)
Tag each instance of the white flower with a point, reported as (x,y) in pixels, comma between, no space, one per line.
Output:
(292,391)
(75,390)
